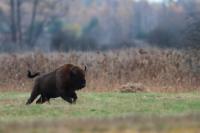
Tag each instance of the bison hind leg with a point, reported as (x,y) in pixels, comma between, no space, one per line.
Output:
(33,96)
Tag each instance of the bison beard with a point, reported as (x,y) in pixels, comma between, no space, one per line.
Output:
(63,82)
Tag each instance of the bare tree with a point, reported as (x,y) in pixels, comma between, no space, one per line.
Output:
(19,30)
(192,31)
(33,18)
(13,21)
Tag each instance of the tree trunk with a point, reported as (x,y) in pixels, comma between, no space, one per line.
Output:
(19,30)
(30,38)
(13,21)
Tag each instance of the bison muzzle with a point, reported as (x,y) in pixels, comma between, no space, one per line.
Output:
(62,82)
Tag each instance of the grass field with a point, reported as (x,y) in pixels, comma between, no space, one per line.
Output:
(102,112)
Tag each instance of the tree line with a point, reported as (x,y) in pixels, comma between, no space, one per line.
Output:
(97,25)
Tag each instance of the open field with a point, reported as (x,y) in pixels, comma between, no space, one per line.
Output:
(103,112)
(102,107)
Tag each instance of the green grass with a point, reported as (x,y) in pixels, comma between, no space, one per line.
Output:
(98,106)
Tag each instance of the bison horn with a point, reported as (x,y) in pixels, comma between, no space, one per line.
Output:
(85,69)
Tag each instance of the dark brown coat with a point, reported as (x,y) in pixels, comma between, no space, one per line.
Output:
(62,82)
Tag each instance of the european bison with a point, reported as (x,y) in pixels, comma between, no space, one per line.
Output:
(62,82)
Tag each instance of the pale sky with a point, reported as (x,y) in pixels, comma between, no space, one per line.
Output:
(155,0)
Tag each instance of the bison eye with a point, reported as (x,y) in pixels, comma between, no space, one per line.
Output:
(72,74)
(83,81)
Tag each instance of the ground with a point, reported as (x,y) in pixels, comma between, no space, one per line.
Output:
(102,112)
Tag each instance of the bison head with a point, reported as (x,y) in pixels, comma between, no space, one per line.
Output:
(78,77)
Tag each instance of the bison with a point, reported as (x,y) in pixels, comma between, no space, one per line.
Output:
(62,82)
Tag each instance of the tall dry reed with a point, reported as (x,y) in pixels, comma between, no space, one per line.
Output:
(159,70)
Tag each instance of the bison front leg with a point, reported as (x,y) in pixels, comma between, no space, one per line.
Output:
(74,96)
(67,98)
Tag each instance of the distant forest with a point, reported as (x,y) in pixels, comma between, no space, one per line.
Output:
(85,25)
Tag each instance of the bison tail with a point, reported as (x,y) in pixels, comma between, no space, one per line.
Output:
(29,75)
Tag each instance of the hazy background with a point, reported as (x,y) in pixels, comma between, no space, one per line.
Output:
(85,25)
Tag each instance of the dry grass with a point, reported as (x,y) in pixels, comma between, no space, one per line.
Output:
(159,70)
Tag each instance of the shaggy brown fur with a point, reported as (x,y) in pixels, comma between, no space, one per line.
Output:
(62,82)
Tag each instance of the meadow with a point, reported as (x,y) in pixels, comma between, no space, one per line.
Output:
(102,112)
(129,90)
